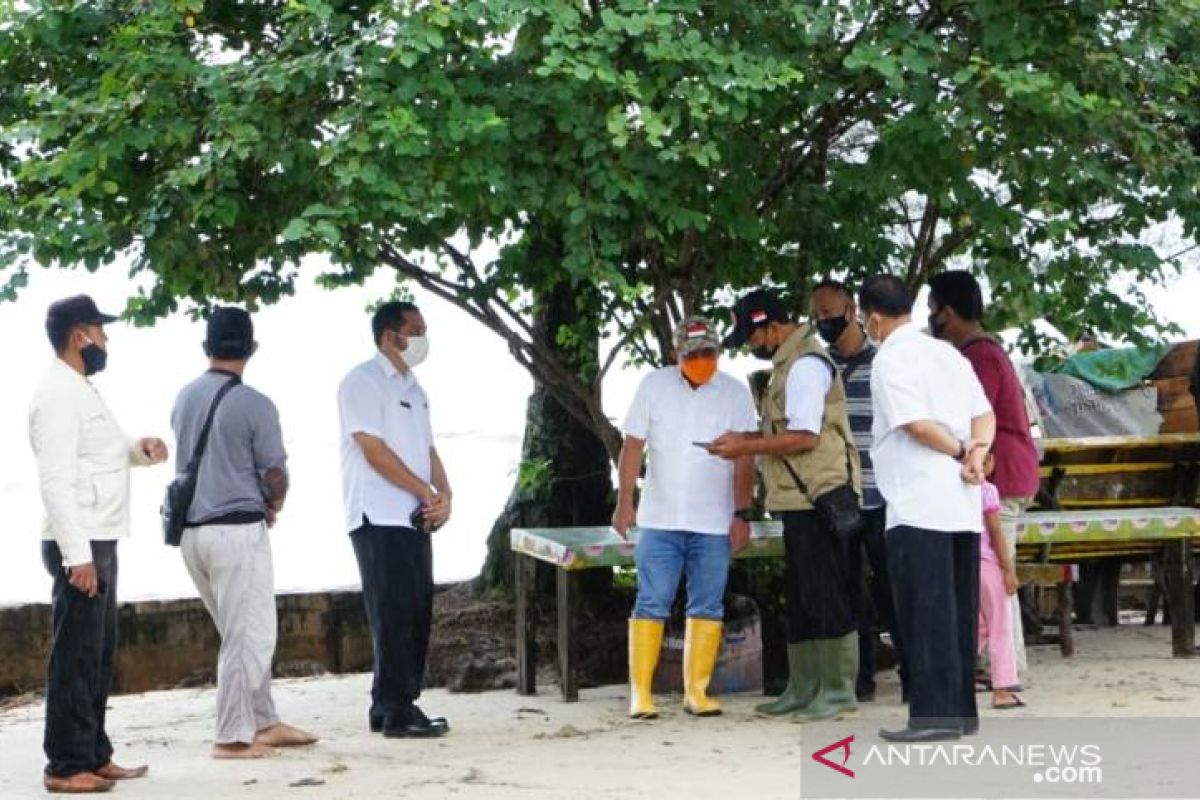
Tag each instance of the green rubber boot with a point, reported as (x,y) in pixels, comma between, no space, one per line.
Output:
(803,681)
(839,669)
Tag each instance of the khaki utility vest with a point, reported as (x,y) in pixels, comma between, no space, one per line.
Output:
(834,461)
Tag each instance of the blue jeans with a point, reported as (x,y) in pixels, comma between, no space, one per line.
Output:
(662,556)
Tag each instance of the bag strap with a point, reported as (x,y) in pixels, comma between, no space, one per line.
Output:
(202,442)
(796,477)
(849,444)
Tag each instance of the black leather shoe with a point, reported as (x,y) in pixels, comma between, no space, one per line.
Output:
(415,725)
(921,735)
(415,730)
(418,716)
(375,721)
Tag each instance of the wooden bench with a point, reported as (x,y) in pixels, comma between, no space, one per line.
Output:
(1101,472)
(1114,472)
(572,550)
(1046,540)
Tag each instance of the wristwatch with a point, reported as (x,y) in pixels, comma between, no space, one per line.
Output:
(962,451)
(743,514)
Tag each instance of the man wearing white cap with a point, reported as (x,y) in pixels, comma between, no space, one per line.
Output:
(694,511)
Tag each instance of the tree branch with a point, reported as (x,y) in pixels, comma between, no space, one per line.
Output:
(916,261)
(576,396)
(950,242)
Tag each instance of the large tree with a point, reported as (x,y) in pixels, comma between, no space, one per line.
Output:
(578,176)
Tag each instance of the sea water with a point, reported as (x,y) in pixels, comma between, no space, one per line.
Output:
(310,545)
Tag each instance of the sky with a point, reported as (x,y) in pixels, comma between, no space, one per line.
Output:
(307,343)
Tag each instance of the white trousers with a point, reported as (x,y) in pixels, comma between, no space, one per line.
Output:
(232,569)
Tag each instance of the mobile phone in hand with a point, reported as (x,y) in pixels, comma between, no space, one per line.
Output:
(705,445)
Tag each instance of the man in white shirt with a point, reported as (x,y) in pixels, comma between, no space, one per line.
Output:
(83,461)
(396,494)
(807,453)
(933,426)
(694,510)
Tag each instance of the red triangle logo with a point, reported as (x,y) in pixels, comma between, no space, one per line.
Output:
(843,745)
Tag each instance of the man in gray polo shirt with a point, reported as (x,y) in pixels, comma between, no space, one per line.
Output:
(226,547)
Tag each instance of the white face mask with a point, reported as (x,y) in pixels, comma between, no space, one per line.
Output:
(417,350)
(865,324)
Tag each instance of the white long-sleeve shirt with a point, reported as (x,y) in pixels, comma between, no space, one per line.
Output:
(83,461)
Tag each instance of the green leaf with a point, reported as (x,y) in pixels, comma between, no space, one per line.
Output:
(295,230)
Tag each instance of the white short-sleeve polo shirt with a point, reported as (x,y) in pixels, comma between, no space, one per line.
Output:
(377,399)
(686,489)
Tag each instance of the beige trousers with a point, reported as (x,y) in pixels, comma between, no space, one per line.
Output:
(1010,510)
(232,569)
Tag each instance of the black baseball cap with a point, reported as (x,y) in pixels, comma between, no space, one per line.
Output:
(77,310)
(230,333)
(755,310)
(65,314)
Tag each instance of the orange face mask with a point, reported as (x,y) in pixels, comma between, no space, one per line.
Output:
(699,370)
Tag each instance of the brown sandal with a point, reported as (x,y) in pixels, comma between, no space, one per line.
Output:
(1016,702)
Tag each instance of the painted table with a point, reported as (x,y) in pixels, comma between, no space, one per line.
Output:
(1044,538)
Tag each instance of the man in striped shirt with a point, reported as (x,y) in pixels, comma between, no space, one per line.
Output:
(836,317)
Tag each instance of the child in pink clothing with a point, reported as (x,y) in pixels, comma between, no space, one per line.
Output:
(997,583)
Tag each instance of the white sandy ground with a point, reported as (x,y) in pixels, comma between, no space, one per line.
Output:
(506,746)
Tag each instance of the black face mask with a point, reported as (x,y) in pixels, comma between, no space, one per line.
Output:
(95,359)
(764,352)
(935,327)
(832,329)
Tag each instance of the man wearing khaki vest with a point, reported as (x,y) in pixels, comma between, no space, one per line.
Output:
(806,450)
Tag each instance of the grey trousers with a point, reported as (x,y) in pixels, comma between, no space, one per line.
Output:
(232,569)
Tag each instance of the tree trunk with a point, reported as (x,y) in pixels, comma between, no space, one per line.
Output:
(566,472)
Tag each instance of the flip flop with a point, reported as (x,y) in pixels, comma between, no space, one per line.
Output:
(1016,703)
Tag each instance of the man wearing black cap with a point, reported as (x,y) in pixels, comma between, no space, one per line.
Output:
(83,461)
(808,455)
(240,487)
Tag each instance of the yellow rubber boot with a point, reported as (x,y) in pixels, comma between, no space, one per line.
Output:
(701,644)
(645,643)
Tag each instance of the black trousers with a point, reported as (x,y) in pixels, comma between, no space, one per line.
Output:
(396,567)
(79,675)
(873,595)
(935,583)
(820,597)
